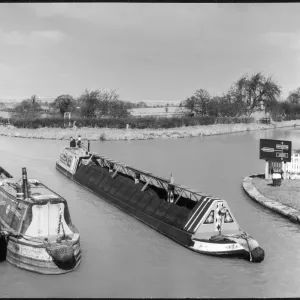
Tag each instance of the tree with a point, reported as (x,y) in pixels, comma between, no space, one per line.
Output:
(102,103)
(198,102)
(88,103)
(33,98)
(254,91)
(28,109)
(118,109)
(109,103)
(294,97)
(65,103)
(141,105)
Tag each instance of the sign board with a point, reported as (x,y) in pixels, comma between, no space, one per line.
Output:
(275,150)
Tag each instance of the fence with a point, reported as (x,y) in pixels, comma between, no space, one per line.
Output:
(294,166)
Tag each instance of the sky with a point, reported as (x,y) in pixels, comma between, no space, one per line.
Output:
(145,51)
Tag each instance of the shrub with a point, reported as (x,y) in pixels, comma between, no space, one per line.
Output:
(103,137)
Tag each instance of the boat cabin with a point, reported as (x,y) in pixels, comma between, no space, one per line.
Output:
(33,210)
(71,157)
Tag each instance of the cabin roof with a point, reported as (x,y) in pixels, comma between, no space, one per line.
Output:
(42,192)
(76,151)
(38,190)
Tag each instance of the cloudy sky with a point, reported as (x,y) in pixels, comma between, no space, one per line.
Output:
(145,51)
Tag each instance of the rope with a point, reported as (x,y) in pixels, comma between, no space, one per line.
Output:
(59,224)
(246,238)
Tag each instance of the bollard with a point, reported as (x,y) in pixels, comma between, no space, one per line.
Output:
(89,146)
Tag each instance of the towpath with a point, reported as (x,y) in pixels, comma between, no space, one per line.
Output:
(284,199)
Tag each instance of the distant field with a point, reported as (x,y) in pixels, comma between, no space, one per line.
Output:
(4,114)
(157,111)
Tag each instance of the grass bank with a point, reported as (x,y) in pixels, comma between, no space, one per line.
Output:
(288,193)
(280,199)
(110,134)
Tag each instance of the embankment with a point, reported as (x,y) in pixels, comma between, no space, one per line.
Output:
(138,134)
(278,204)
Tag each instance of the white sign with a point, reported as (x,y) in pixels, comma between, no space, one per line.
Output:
(281,154)
(283,147)
(266,149)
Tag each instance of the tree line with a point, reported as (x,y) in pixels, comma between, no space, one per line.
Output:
(247,95)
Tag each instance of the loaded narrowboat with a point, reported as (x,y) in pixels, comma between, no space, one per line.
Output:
(200,222)
(35,227)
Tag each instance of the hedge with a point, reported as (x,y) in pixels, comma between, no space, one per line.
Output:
(143,122)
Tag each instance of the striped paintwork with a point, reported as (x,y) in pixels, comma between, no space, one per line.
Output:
(199,212)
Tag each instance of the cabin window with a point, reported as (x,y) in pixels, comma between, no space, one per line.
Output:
(210,218)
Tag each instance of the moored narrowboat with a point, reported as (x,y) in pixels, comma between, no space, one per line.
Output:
(36,225)
(200,222)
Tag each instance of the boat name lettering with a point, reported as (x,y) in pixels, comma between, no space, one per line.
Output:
(67,159)
(215,247)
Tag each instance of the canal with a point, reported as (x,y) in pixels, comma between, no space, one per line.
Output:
(122,257)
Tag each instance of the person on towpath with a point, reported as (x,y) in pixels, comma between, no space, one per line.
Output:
(72,142)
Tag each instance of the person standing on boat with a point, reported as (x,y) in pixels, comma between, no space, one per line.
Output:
(79,143)
(72,142)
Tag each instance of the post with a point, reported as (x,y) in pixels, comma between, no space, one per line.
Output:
(267,170)
(284,169)
(25,183)
(88,145)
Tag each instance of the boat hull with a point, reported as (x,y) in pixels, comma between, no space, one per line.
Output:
(34,257)
(228,249)
(36,233)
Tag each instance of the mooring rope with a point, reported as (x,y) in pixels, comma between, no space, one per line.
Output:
(244,236)
(59,224)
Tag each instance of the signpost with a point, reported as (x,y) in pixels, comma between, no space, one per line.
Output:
(275,150)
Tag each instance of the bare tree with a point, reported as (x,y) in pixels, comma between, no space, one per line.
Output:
(254,91)
(198,102)
(65,103)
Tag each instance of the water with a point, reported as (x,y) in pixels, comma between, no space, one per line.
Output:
(122,257)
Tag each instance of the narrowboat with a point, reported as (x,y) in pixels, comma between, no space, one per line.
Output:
(36,231)
(200,222)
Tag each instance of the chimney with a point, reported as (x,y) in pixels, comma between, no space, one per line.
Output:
(25,183)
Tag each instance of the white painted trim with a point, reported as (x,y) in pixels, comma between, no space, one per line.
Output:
(216,247)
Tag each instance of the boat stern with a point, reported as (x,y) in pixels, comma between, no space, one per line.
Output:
(215,231)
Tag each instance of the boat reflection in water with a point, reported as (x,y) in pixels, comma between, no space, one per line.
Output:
(197,221)
(36,229)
